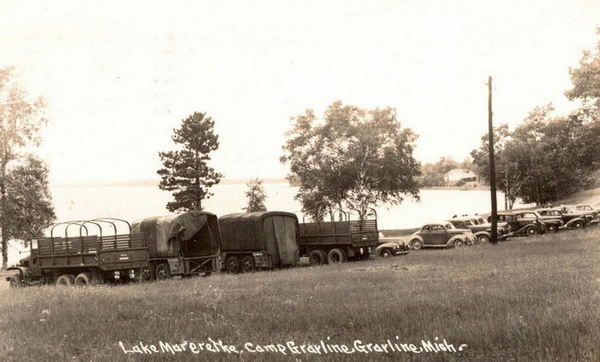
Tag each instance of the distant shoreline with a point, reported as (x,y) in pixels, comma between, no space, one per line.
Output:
(137,183)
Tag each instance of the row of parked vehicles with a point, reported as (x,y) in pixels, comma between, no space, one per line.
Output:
(85,252)
(468,230)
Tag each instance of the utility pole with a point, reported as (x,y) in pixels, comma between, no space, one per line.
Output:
(492,166)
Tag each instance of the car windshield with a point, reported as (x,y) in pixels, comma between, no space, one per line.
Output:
(584,207)
(449,227)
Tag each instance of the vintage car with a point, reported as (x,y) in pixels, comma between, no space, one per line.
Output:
(391,247)
(552,219)
(522,222)
(590,211)
(573,220)
(440,235)
(480,228)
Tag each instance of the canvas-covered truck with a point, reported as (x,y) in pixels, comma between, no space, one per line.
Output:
(85,252)
(258,240)
(338,241)
(180,244)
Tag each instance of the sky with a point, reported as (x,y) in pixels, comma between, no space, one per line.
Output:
(119,76)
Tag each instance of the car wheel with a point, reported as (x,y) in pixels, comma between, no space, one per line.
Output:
(459,243)
(578,224)
(416,244)
(335,256)
(247,264)
(532,231)
(386,253)
(551,228)
(483,239)
(317,257)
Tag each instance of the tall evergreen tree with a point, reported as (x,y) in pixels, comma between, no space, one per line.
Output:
(186,173)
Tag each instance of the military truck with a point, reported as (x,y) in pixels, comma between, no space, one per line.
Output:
(180,244)
(258,240)
(84,258)
(339,241)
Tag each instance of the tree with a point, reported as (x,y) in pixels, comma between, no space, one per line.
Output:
(545,158)
(20,122)
(352,159)
(186,172)
(256,196)
(586,78)
(28,199)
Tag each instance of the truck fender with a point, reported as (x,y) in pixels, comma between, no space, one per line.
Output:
(24,272)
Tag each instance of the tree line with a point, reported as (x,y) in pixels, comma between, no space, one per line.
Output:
(547,158)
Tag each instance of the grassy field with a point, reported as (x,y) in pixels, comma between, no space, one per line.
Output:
(525,299)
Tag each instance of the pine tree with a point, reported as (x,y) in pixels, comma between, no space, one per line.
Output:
(186,172)
(256,196)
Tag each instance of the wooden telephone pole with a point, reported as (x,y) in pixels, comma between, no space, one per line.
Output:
(494,216)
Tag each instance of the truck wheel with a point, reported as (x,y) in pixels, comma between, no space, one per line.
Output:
(162,271)
(15,281)
(83,280)
(483,239)
(335,256)
(317,257)
(146,273)
(232,264)
(248,264)
(531,231)
(65,280)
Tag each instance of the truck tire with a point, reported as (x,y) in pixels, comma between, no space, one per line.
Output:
(162,271)
(317,257)
(65,280)
(232,264)
(83,280)
(247,264)
(335,256)
(15,281)
(146,273)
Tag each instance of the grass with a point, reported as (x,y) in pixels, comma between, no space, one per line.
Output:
(526,299)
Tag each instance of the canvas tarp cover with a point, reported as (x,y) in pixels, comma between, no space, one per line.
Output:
(275,232)
(165,234)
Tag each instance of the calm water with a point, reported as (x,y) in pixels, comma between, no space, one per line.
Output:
(137,202)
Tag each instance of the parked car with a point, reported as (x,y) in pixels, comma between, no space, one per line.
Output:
(589,210)
(440,235)
(522,222)
(574,218)
(552,219)
(391,247)
(480,228)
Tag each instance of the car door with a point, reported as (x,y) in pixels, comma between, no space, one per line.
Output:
(439,234)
